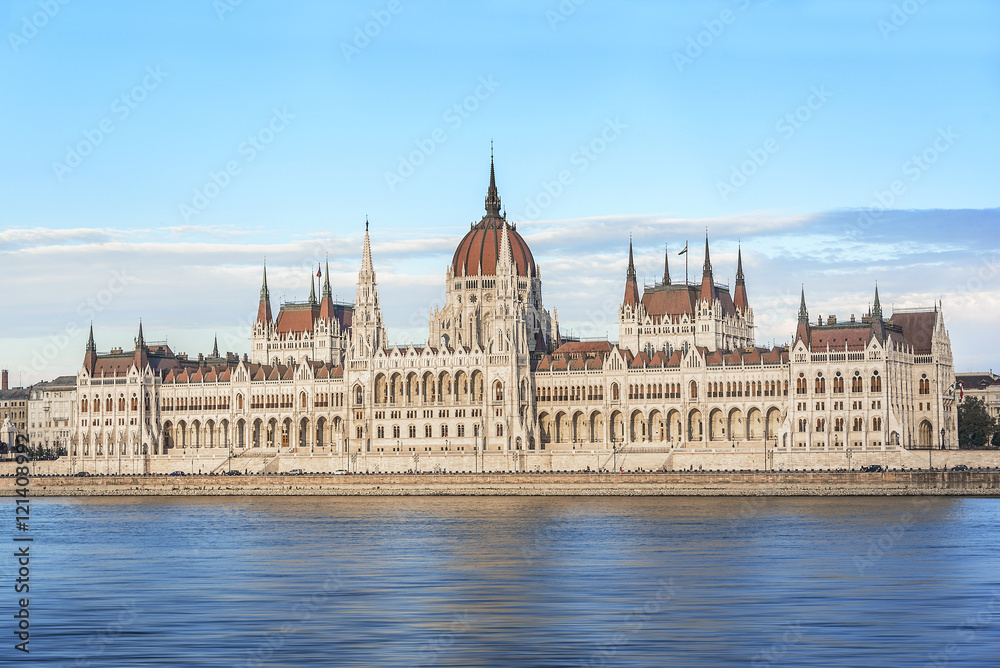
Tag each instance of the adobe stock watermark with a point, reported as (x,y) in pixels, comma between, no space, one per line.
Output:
(786,127)
(971,627)
(88,310)
(454,117)
(223,7)
(714,28)
(121,108)
(363,35)
(632,623)
(775,653)
(562,12)
(581,159)
(98,643)
(33,23)
(914,168)
(899,17)
(248,150)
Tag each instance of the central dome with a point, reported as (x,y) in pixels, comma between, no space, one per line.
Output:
(478,253)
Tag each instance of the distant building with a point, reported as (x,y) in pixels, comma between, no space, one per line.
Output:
(496,381)
(51,413)
(984,386)
(13,407)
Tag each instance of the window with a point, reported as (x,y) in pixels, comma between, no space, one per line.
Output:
(395,431)
(803,424)
(360,431)
(428,431)
(925,385)
(444,431)
(876,424)
(461,430)
(820,384)
(838,424)
(857,384)
(499,429)
(498,391)
(838,384)
(380,431)
(694,390)
(413,431)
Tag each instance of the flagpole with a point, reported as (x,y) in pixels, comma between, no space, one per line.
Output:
(685,261)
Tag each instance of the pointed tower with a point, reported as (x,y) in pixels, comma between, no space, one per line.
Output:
(264,308)
(90,356)
(312,291)
(666,265)
(493,204)
(740,293)
(141,353)
(368,329)
(631,286)
(878,324)
(803,328)
(215,347)
(326,302)
(707,281)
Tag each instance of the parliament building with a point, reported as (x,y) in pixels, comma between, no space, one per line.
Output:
(496,387)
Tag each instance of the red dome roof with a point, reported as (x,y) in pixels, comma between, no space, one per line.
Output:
(479,250)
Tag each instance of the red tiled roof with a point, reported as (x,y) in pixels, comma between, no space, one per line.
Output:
(918,329)
(478,251)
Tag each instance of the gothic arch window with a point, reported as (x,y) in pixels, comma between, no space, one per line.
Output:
(694,389)
(359,395)
(876,382)
(498,391)
(614,392)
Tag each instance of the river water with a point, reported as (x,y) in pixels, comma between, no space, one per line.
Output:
(510,581)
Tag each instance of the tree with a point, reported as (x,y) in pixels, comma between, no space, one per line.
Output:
(975,426)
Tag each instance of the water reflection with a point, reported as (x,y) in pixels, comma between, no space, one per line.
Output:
(514,581)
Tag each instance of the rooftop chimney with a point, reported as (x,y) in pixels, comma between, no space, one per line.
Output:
(831,320)
(4,379)
(852,317)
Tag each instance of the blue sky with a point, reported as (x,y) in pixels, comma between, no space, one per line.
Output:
(178,143)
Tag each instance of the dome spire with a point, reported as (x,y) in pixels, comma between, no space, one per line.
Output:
(492,197)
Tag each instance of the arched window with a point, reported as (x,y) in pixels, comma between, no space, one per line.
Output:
(498,391)
(239,402)
(838,384)
(499,429)
(428,431)
(444,431)
(83,405)
(614,392)
(694,390)
(359,395)
(413,431)
(820,384)
(380,431)
(876,384)
(876,424)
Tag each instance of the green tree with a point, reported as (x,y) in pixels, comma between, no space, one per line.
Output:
(975,426)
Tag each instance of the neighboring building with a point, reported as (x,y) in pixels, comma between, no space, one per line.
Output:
(13,407)
(984,386)
(495,379)
(51,413)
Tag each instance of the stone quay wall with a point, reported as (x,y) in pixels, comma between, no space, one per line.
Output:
(892,483)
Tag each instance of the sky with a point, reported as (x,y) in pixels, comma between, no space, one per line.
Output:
(153,154)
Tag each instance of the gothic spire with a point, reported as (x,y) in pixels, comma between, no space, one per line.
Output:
(140,341)
(707,280)
(366,253)
(666,265)
(631,287)
(215,347)
(90,356)
(492,197)
(877,308)
(327,292)
(740,292)
(312,290)
(264,308)
(803,313)
(91,346)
